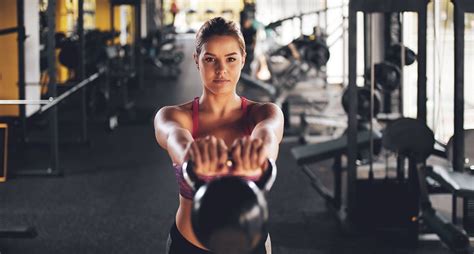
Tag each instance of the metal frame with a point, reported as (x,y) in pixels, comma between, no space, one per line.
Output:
(137,55)
(277,23)
(20,29)
(19,231)
(21,64)
(461,7)
(82,71)
(375,6)
(49,105)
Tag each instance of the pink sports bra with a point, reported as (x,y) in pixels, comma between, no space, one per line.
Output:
(184,189)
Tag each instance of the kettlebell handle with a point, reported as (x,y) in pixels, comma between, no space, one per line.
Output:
(265,182)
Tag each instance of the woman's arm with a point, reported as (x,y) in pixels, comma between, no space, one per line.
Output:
(171,132)
(208,154)
(250,153)
(268,120)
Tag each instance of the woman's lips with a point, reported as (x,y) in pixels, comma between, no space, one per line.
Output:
(221,80)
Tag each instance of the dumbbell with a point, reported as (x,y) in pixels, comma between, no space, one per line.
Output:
(229,214)
(393,55)
(387,76)
(317,53)
(363,105)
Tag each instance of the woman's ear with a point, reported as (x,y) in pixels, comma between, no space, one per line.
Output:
(196,60)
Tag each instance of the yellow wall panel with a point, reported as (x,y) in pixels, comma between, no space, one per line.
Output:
(62,26)
(8,58)
(103,15)
(103,18)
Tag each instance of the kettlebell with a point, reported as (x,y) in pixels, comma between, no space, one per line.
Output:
(229,214)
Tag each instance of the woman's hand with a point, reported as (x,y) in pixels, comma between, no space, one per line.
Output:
(249,157)
(209,156)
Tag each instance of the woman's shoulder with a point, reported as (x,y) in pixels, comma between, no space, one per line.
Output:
(259,107)
(187,106)
(181,112)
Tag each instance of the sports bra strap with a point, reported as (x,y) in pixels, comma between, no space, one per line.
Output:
(244,105)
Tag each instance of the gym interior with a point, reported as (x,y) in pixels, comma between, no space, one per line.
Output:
(376,155)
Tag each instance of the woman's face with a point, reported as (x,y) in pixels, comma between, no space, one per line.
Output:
(220,63)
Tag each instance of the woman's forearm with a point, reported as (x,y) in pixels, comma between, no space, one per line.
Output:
(269,138)
(177,143)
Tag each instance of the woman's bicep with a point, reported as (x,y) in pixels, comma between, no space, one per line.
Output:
(270,117)
(168,122)
(269,127)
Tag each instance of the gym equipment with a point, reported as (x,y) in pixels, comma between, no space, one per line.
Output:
(161,51)
(312,153)
(95,55)
(468,150)
(17,231)
(387,76)
(229,214)
(394,55)
(456,179)
(125,2)
(135,47)
(413,139)
(409,137)
(459,182)
(255,83)
(364,103)
(49,58)
(351,207)
(313,49)
(4,151)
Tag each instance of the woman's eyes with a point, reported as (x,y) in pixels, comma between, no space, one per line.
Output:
(211,59)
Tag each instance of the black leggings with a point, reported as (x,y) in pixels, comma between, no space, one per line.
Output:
(177,244)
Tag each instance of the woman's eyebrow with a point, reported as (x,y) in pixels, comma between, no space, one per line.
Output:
(230,54)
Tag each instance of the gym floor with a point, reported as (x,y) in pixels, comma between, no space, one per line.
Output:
(119,193)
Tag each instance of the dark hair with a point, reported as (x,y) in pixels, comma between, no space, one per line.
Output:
(219,26)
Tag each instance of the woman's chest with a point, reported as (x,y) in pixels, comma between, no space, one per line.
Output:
(226,129)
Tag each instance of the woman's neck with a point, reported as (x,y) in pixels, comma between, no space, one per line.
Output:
(219,105)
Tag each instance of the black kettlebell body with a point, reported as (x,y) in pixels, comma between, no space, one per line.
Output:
(229,213)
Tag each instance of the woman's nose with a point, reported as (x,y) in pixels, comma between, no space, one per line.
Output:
(220,67)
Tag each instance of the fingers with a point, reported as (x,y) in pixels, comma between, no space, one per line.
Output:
(196,155)
(236,154)
(256,153)
(262,158)
(204,149)
(209,155)
(213,157)
(222,157)
(246,148)
(249,155)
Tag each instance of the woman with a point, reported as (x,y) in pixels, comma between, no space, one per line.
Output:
(216,124)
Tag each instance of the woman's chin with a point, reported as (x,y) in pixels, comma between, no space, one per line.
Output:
(219,88)
(222,83)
